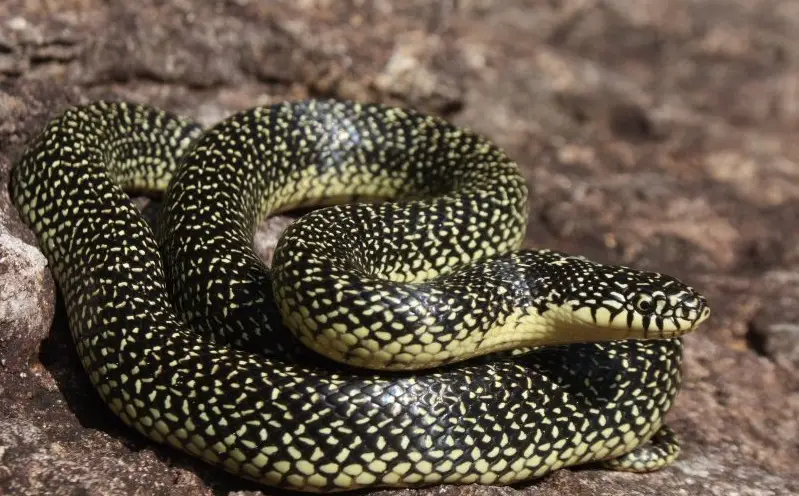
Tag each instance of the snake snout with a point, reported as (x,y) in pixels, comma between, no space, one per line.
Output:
(693,308)
(673,313)
(650,305)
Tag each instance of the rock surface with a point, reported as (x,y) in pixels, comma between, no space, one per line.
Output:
(654,134)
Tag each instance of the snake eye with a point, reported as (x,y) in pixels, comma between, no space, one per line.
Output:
(644,304)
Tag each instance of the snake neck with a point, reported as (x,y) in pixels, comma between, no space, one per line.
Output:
(524,299)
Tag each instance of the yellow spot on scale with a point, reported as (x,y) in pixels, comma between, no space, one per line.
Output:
(231,465)
(260,460)
(317,480)
(305,467)
(343,480)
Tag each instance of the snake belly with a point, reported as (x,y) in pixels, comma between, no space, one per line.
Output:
(193,379)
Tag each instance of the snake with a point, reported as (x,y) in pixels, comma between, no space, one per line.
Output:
(402,336)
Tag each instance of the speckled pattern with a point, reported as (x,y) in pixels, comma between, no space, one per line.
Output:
(307,427)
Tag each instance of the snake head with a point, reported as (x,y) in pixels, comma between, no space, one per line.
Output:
(616,298)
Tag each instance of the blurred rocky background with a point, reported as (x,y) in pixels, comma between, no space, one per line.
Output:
(658,134)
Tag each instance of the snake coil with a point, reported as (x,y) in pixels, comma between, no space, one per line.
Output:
(195,352)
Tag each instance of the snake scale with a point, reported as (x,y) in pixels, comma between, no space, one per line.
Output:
(413,262)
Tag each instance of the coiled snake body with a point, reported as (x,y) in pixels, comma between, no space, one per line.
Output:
(429,279)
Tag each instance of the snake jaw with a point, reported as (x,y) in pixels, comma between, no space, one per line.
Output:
(605,302)
(666,311)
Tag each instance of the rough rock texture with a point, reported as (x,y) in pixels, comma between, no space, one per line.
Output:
(654,134)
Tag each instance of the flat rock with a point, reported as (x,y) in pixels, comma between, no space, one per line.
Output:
(654,134)
(774,331)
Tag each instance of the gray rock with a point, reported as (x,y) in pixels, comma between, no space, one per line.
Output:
(774,331)
(26,300)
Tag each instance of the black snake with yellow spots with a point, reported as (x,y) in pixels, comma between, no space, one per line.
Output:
(432,278)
